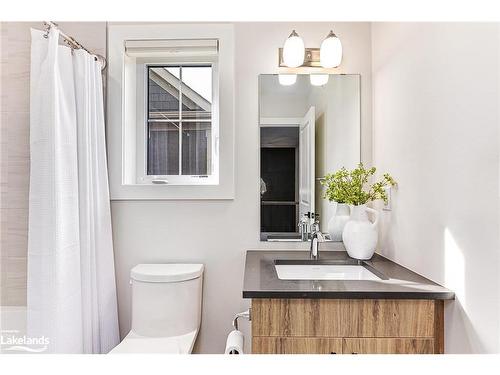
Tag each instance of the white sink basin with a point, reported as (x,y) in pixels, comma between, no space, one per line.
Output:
(323,272)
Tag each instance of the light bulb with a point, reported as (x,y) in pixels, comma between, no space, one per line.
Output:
(294,51)
(318,79)
(287,79)
(330,53)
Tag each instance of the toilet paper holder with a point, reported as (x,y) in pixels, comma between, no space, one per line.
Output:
(244,314)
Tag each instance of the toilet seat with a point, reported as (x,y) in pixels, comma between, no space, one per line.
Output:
(134,343)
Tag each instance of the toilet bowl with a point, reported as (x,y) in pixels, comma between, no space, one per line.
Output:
(166,309)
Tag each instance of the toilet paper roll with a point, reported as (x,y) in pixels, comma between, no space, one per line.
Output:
(234,343)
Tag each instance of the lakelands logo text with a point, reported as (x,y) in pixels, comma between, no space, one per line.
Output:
(9,341)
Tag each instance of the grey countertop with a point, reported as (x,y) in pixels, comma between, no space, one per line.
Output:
(261,280)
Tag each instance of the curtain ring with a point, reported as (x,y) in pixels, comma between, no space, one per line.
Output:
(69,44)
(100,59)
(47,30)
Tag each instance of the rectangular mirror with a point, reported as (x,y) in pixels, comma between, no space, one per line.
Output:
(306,131)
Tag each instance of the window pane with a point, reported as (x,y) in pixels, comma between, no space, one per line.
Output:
(196,152)
(196,92)
(180,97)
(163,93)
(163,148)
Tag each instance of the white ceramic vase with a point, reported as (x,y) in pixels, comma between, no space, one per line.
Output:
(338,221)
(360,234)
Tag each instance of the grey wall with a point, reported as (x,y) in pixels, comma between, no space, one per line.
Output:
(217,233)
(435,121)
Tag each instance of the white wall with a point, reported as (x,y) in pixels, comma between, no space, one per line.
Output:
(276,100)
(435,120)
(338,107)
(218,233)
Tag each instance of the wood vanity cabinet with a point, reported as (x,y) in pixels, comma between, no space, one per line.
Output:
(348,326)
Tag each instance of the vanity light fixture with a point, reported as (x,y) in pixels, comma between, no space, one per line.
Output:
(318,79)
(287,79)
(330,53)
(295,55)
(293,51)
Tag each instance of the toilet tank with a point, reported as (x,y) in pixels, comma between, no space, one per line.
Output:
(166,299)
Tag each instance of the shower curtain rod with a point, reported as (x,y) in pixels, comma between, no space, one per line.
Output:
(70,41)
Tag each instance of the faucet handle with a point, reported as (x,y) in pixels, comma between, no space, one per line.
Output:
(315,224)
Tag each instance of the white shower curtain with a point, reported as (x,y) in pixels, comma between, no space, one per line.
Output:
(71,277)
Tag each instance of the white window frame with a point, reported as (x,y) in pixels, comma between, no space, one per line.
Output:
(211,178)
(125,153)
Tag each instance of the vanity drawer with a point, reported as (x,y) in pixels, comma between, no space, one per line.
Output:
(296,345)
(388,346)
(345,317)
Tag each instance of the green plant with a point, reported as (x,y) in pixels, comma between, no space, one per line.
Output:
(353,187)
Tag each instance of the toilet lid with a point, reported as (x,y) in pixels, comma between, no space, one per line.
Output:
(166,273)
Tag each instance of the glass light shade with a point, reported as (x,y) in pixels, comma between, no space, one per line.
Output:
(287,79)
(294,51)
(330,53)
(318,79)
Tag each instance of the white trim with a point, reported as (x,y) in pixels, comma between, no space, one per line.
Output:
(123,184)
(280,121)
(171,48)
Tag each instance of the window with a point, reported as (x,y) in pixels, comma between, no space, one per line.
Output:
(179,120)
(176,85)
(170,129)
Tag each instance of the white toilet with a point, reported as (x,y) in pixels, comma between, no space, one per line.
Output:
(166,309)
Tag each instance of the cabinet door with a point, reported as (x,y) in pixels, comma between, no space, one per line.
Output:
(387,346)
(296,345)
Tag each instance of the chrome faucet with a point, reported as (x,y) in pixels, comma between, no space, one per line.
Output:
(304,227)
(316,238)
